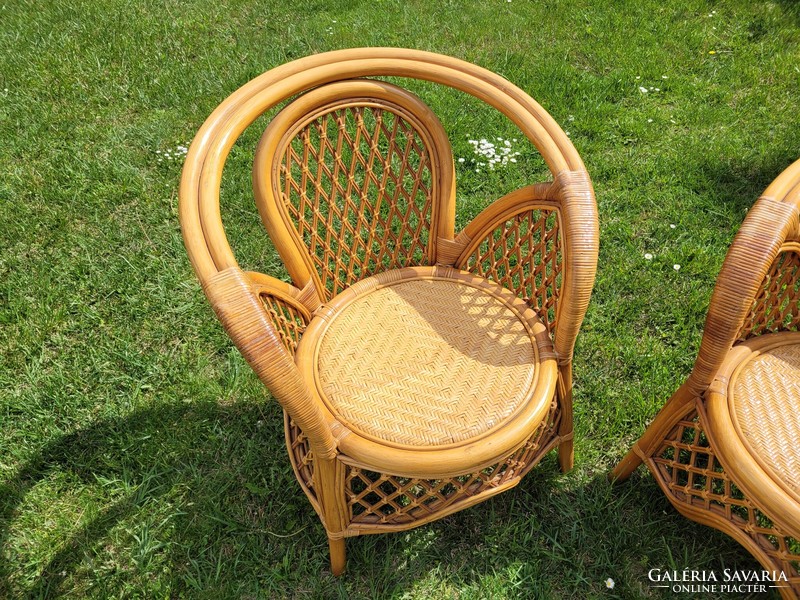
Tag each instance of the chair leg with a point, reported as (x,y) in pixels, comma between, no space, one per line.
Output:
(329,484)
(566,456)
(338,555)
(676,408)
(566,450)
(625,467)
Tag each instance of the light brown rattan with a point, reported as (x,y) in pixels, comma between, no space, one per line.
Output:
(383,502)
(764,400)
(533,269)
(426,362)
(724,448)
(775,308)
(377,155)
(691,475)
(354,182)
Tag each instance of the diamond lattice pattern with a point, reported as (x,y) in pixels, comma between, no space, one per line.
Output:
(357,183)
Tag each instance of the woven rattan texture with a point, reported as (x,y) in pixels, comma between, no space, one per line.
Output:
(382,499)
(300,454)
(524,255)
(691,473)
(776,305)
(426,362)
(288,321)
(357,184)
(766,400)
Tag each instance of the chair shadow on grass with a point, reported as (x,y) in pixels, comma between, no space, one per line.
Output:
(147,456)
(553,535)
(740,181)
(556,536)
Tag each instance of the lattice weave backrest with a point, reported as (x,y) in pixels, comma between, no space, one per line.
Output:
(357,181)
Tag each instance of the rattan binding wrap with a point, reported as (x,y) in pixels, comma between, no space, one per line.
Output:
(724,448)
(354,179)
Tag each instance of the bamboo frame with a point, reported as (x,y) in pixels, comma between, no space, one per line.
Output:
(314,183)
(754,305)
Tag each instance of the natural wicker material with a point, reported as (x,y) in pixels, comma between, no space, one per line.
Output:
(423,362)
(421,370)
(764,402)
(694,480)
(724,448)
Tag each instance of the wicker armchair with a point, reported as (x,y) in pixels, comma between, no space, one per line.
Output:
(421,370)
(725,448)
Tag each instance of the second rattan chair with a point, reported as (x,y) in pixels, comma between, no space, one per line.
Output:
(725,449)
(421,370)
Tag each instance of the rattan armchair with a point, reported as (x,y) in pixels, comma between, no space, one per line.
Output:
(725,449)
(421,370)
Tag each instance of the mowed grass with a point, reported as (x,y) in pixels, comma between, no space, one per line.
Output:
(139,455)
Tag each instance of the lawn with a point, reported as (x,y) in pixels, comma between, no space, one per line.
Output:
(139,455)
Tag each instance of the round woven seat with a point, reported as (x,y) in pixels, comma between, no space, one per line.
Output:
(754,424)
(427,357)
(764,403)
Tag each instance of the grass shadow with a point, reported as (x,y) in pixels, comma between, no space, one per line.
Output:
(236,535)
(196,466)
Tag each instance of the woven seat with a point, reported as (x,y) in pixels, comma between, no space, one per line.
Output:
(725,447)
(421,369)
(764,404)
(429,357)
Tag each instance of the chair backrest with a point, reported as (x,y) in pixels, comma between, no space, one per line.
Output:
(354,178)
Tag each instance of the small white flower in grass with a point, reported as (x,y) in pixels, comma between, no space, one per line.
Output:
(658,89)
(648,256)
(638,77)
(461,160)
(676,267)
(569,118)
(567,132)
(649,120)
(643,89)
(672,226)
(664,77)
(610,583)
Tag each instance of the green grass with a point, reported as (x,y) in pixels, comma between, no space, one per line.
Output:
(139,455)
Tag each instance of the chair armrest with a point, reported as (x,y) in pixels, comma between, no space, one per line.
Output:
(541,242)
(289,309)
(750,259)
(248,323)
